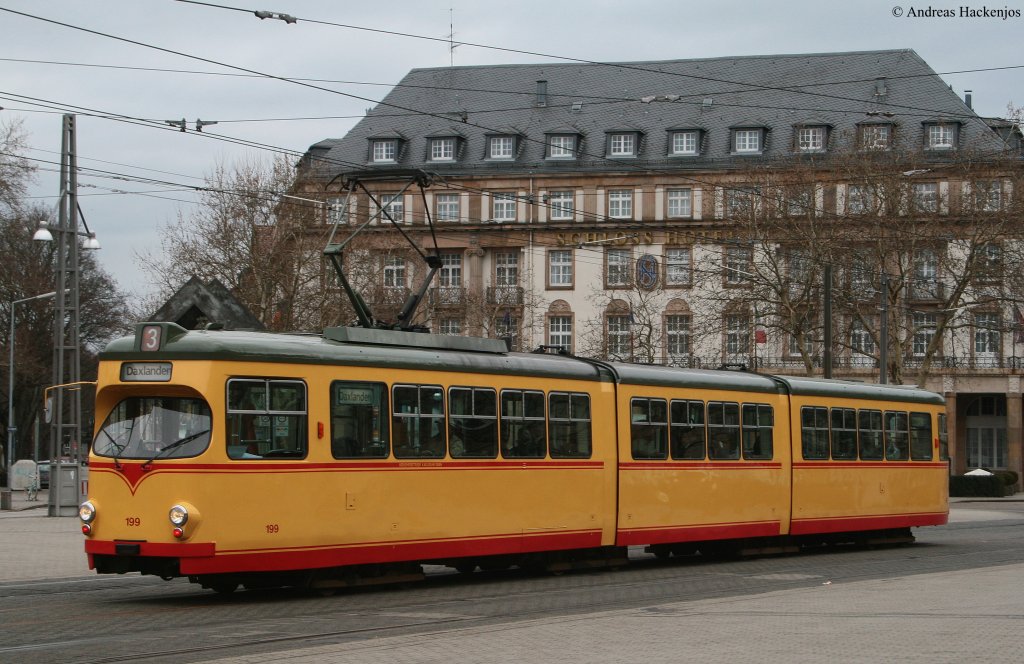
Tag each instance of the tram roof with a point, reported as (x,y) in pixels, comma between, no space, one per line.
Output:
(433,353)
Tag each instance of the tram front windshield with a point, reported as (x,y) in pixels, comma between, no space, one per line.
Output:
(155,427)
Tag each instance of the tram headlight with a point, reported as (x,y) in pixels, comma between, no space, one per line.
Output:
(178,516)
(87,512)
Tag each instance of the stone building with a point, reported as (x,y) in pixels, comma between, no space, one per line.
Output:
(687,212)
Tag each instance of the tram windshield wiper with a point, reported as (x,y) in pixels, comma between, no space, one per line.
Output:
(118,448)
(174,445)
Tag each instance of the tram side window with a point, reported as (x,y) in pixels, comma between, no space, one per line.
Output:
(814,432)
(417,423)
(758,422)
(523,427)
(870,422)
(943,438)
(689,438)
(844,433)
(897,437)
(569,425)
(472,423)
(723,430)
(649,428)
(921,436)
(266,419)
(359,423)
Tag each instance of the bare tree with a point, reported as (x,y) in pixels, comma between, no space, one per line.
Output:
(266,248)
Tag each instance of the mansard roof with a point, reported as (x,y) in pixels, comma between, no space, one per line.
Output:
(839,90)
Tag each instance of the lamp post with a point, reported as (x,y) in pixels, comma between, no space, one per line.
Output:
(11,428)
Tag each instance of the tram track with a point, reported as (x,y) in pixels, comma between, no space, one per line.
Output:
(238,625)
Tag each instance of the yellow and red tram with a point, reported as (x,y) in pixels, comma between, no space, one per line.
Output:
(245,457)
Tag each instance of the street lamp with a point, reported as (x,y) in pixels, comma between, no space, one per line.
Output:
(11,428)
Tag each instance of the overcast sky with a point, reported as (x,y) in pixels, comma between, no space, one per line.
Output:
(364,63)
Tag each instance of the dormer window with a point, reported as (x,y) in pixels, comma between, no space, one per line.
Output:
(501,147)
(561,146)
(623,144)
(442,149)
(940,136)
(684,143)
(811,138)
(385,150)
(747,141)
(875,136)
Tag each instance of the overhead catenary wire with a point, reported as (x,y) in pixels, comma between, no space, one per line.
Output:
(285,151)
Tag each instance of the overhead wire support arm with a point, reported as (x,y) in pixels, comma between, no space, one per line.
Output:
(334,251)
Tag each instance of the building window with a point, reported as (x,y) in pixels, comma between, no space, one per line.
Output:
(560,268)
(619,334)
(447,207)
(395,207)
(336,212)
(507,327)
(799,202)
(560,203)
(810,139)
(875,137)
(617,267)
(561,146)
(925,196)
(737,335)
(442,149)
(622,145)
(685,143)
(740,201)
(677,338)
(861,344)
(560,332)
(988,196)
(384,151)
(680,203)
(940,137)
(990,261)
(746,141)
(451,327)
(924,332)
(501,147)
(738,262)
(503,207)
(925,285)
(620,204)
(506,269)
(394,272)
(679,267)
(450,274)
(859,199)
(987,336)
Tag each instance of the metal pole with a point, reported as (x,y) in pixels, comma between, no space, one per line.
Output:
(828,322)
(66,358)
(11,425)
(883,333)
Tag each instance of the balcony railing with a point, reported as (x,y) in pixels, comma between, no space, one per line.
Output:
(448,296)
(506,296)
(385,295)
(927,290)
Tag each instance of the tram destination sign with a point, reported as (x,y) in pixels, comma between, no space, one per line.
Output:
(148,372)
